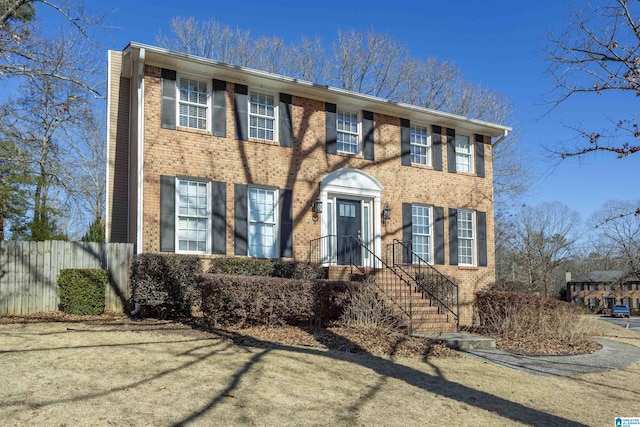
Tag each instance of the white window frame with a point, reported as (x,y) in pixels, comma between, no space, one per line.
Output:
(427,146)
(207,116)
(275,117)
(469,155)
(276,221)
(430,254)
(178,215)
(358,133)
(473,239)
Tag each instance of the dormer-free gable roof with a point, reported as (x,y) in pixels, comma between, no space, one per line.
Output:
(151,55)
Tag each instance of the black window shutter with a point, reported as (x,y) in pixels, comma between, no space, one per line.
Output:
(219,110)
(331,132)
(451,150)
(240,225)
(285,125)
(482,239)
(480,155)
(407,232)
(167,213)
(436,141)
(286,223)
(453,236)
(368,132)
(168,108)
(219,222)
(439,234)
(241,110)
(405,142)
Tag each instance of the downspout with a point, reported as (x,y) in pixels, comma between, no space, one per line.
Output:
(499,140)
(140,165)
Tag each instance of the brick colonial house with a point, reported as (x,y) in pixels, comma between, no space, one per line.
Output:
(604,289)
(212,159)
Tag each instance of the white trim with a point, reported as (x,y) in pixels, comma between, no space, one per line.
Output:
(236,74)
(209,218)
(276,215)
(140,159)
(107,216)
(357,185)
(276,113)
(199,79)
(474,239)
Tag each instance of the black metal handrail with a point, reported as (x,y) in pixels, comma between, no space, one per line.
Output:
(428,280)
(393,285)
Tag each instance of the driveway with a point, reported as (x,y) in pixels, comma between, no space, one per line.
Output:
(632,323)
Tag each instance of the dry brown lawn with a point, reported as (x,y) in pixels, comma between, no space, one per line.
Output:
(161,373)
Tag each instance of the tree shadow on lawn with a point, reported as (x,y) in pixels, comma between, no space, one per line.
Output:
(387,369)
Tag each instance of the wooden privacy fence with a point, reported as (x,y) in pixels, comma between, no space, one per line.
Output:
(29,272)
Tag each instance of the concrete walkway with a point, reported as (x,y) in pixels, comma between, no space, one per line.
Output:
(612,355)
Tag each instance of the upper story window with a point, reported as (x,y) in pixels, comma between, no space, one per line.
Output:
(193,103)
(262,116)
(193,212)
(464,154)
(348,132)
(262,237)
(466,237)
(420,145)
(421,233)
(593,286)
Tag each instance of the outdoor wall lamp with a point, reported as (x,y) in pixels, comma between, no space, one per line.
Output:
(386,212)
(317,206)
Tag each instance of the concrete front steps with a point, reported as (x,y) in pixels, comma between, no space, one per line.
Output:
(427,319)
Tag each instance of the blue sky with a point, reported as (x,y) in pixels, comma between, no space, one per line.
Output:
(496,43)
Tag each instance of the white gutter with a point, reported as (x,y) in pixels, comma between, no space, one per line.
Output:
(140,159)
(107,219)
(499,140)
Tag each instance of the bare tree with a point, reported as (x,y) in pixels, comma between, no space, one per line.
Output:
(598,52)
(545,237)
(620,232)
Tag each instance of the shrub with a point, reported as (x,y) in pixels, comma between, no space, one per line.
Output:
(366,309)
(241,266)
(82,291)
(165,282)
(527,317)
(298,270)
(240,301)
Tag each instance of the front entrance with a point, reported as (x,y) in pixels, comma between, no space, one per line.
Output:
(348,231)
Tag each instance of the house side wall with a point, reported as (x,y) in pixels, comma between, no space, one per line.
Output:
(187,152)
(618,293)
(118,151)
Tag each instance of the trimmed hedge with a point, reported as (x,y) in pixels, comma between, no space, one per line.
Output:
(249,300)
(241,266)
(82,290)
(165,282)
(298,270)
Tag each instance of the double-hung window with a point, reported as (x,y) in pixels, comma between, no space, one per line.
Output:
(193,224)
(263,203)
(421,231)
(193,103)
(464,154)
(420,146)
(466,237)
(262,116)
(348,132)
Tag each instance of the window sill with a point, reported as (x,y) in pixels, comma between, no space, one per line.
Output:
(264,141)
(466,173)
(193,130)
(355,156)
(421,166)
(468,267)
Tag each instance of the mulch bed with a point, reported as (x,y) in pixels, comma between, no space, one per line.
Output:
(352,340)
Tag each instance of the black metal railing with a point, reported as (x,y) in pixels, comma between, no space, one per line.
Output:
(434,285)
(325,250)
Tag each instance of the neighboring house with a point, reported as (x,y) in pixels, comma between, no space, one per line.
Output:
(212,159)
(604,289)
